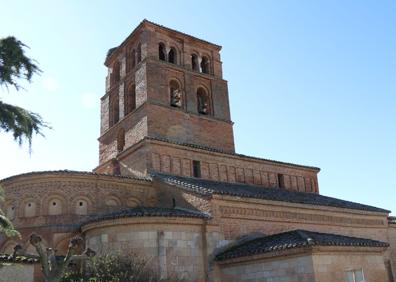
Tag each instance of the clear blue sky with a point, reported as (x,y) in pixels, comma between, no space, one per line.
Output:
(310,82)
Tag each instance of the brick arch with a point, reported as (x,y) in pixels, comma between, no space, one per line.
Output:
(133,202)
(29,211)
(112,200)
(200,92)
(174,55)
(75,204)
(47,202)
(162,51)
(11,209)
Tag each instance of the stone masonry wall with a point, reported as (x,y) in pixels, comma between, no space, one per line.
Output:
(292,269)
(172,249)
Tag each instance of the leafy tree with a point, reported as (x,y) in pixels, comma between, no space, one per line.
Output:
(15,65)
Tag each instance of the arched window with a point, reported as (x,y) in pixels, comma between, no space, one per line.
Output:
(175,94)
(161,52)
(194,62)
(54,207)
(30,209)
(205,65)
(133,56)
(130,99)
(115,74)
(114,109)
(172,56)
(81,207)
(120,140)
(131,60)
(203,101)
(139,53)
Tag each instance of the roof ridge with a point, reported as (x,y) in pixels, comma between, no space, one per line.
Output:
(81,172)
(210,149)
(209,187)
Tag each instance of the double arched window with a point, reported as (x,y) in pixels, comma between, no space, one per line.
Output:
(203,101)
(170,56)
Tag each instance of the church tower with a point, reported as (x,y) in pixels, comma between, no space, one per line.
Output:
(166,109)
(165,85)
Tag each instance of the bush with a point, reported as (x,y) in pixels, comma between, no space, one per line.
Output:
(112,268)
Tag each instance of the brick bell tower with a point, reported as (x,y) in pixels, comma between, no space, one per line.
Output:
(162,85)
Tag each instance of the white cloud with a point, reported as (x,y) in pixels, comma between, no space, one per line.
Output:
(50,84)
(89,100)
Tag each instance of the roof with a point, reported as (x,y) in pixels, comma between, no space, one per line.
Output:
(209,187)
(196,146)
(145,21)
(4,258)
(294,239)
(392,219)
(147,212)
(62,172)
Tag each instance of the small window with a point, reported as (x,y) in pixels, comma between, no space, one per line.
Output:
(205,65)
(281,180)
(81,207)
(161,52)
(197,169)
(172,57)
(194,62)
(173,202)
(354,275)
(55,207)
(30,209)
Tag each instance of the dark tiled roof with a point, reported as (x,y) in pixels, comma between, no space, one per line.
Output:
(59,172)
(294,239)
(4,258)
(147,211)
(228,153)
(392,219)
(208,187)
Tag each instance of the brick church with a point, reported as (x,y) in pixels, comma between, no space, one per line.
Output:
(170,187)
